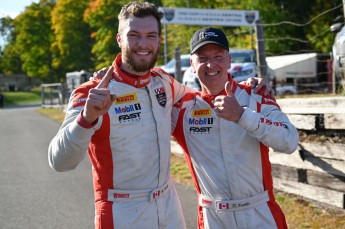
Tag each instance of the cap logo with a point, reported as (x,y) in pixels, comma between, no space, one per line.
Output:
(207,34)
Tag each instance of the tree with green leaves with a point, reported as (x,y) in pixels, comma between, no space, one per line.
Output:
(33,38)
(72,44)
(102,18)
(10,62)
(318,33)
(6,28)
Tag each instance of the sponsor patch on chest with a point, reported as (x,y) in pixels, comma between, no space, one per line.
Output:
(127,98)
(127,108)
(201,112)
(200,121)
(161,96)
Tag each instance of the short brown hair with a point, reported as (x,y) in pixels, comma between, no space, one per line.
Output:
(141,10)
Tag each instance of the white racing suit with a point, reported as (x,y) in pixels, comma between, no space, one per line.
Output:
(229,161)
(129,148)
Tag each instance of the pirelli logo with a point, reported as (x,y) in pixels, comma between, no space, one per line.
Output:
(202,112)
(126,98)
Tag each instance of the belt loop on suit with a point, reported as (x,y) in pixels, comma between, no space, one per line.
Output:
(233,205)
(150,195)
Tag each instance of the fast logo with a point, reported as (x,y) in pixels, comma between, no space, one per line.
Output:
(200,130)
(129,117)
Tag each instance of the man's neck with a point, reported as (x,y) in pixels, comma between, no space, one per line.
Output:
(211,91)
(130,78)
(132,73)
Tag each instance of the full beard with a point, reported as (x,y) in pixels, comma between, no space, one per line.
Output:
(139,65)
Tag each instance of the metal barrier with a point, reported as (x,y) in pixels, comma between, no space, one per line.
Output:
(52,95)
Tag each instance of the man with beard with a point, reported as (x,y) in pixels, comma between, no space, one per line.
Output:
(123,121)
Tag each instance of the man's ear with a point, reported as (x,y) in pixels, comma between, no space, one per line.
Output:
(118,39)
(191,64)
(160,42)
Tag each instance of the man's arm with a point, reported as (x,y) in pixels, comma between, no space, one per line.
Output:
(179,90)
(86,107)
(68,148)
(269,126)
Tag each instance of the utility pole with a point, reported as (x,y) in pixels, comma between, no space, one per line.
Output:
(166,43)
(178,73)
(260,52)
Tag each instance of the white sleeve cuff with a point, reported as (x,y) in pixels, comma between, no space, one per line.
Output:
(249,120)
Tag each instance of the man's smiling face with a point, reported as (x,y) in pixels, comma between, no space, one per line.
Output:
(139,42)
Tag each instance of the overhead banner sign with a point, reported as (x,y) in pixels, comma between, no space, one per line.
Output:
(194,16)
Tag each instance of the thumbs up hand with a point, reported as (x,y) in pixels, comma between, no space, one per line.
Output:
(99,100)
(227,106)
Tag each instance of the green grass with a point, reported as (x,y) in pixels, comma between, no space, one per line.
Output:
(179,170)
(20,97)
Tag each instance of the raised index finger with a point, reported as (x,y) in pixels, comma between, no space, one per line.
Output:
(106,79)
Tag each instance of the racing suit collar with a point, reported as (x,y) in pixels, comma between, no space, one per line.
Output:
(128,78)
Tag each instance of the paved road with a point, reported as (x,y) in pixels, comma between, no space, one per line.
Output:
(34,196)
